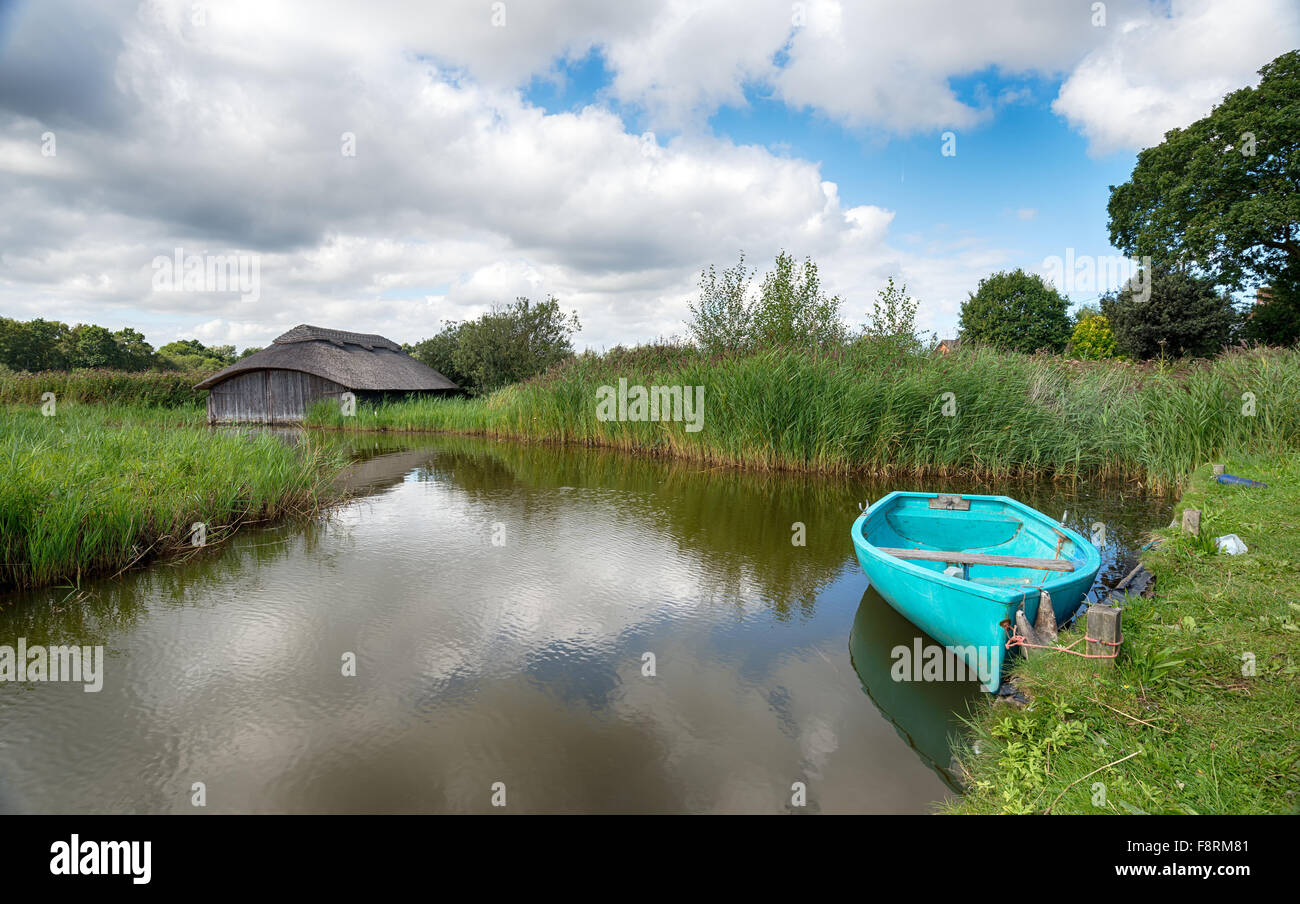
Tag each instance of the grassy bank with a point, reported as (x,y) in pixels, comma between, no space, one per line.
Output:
(149,387)
(1193,731)
(97,488)
(865,409)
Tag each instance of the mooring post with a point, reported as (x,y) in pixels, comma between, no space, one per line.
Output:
(1103,632)
(1192,521)
(1045,619)
(1218,469)
(1026,630)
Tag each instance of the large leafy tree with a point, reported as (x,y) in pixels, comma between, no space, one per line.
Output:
(1177,315)
(1223,194)
(134,353)
(1016,310)
(439,352)
(89,345)
(34,345)
(191,354)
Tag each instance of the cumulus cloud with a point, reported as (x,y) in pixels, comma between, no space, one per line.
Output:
(1160,71)
(889,65)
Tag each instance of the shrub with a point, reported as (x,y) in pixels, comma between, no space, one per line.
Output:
(1092,339)
(1175,315)
(1018,311)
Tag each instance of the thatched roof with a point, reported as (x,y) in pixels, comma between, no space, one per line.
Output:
(355,360)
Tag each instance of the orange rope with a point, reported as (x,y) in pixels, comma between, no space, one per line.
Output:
(1019,640)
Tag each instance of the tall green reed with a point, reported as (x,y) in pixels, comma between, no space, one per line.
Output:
(975,412)
(98,488)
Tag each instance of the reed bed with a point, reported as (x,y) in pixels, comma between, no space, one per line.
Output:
(96,489)
(135,388)
(865,408)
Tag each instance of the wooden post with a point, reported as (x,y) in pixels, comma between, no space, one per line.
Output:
(1103,633)
(1025,630)
(1218,469)
(1192,521)
(1045,620)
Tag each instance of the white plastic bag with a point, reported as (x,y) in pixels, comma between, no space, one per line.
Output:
(1231,544)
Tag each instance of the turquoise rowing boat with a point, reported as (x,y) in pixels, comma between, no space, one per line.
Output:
(958,567)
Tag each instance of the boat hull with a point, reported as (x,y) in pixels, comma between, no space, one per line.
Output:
(971,613)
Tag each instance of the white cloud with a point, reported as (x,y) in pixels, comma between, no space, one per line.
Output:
(1157,72)
(888,65)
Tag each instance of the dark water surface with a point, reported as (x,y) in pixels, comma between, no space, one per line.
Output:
(519,663)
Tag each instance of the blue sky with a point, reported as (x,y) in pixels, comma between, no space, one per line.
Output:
(386,169)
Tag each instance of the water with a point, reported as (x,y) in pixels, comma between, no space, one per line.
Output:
(521,663)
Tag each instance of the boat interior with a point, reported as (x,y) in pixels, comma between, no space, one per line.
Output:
(987,526)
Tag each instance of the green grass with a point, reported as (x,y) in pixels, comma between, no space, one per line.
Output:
(98,488)
(1201,736)
(861,410)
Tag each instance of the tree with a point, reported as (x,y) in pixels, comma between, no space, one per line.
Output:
(1016,310)
(1277,320)
(134,353)
(722,316)
(1184,316)
(792,309)
(893,319)
(191,354)
(439,352)
(1223,194)
(1092,339)
(92,346)
(35,345)
(504,346)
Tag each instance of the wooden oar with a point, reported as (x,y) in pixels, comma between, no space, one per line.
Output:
(976,558)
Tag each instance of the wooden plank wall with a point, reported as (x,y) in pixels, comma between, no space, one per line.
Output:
(268,396)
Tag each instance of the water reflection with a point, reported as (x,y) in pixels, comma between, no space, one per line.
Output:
(521,663)
(926,714)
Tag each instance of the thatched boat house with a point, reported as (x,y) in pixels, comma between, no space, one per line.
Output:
(309,363)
